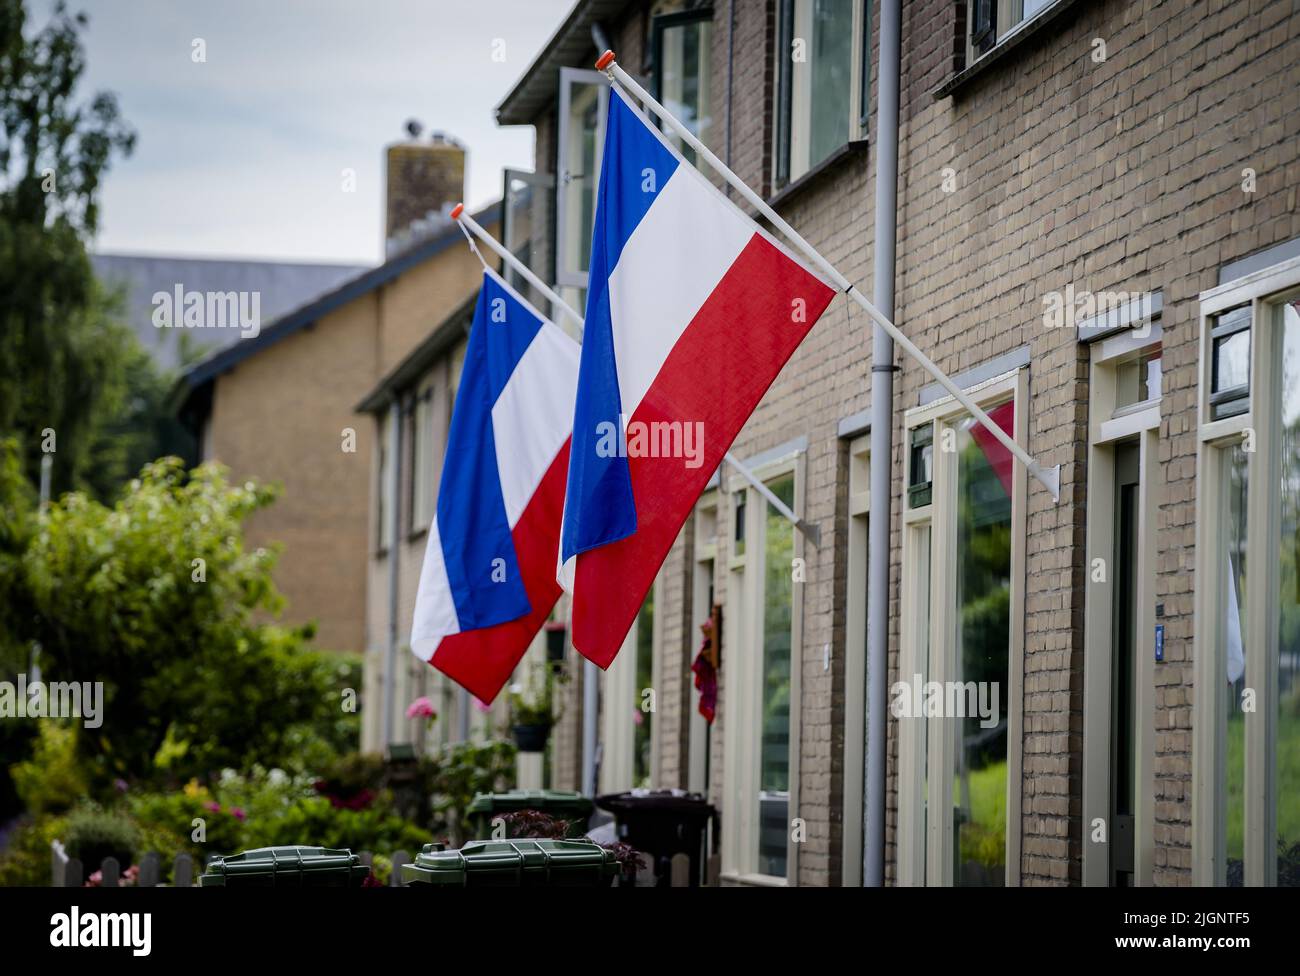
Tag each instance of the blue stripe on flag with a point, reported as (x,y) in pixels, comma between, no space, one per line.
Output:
(472,523)
(598,505)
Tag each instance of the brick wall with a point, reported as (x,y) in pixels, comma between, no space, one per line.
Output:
(1123,174)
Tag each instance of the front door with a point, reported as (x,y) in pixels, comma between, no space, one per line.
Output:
(1123,697)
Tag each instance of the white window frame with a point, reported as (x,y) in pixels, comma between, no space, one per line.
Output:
(855,660)
(742,636)
(567,200)
(925,844)
(1265,291)
(1107,427)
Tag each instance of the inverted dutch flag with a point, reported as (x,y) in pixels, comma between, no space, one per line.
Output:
(488,581)
(692,310)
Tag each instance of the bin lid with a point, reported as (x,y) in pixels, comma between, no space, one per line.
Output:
(519,862)
(286,866)
(647,801)
(547,801)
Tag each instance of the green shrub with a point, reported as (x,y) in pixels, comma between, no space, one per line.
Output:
(53,780)
(26,859)
(93,834)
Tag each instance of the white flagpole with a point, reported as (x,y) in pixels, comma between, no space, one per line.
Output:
(810,531)
(469,223)
(1050,477)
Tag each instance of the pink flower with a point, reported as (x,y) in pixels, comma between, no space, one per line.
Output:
(481,706)
(213,806)
(238,813)
(421,708)
(637,717)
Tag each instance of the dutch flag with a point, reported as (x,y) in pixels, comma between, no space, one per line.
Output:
(692,310)
(488,581)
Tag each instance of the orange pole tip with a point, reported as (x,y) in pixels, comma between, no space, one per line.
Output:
(457,210)
(605,60)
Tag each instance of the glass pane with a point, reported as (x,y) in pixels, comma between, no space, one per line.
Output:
(645,628)
(1137,380)
(684,80)
(579,175)
(1233,654)
(1232,361)
(984,482)
(831,57)
(1286,750)
(774,755)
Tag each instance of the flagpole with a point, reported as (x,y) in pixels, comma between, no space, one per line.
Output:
(1050,477)
(459,215)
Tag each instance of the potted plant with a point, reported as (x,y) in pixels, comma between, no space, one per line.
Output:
(532,707)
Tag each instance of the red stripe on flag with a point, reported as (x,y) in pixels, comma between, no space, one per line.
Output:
(483,660)
(716,373)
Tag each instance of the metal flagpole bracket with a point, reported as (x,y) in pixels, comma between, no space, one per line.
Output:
(1050,478)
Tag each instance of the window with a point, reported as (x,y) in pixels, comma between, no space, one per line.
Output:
(702,603)
(1246,720)
(962,613)
(1120,605)
(760,640)
(642,704)
(822,84)
(524,218)
(425,445)
(1230,363)
(855,659)
(683,82)
(774,755)
(583,96)
(992,21)
(628,694)
(383,490)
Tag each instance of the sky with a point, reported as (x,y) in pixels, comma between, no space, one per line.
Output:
(242,155)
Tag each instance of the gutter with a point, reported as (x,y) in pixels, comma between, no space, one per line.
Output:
(882,435)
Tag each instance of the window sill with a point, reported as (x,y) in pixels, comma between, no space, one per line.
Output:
(1020,36)
(851,148)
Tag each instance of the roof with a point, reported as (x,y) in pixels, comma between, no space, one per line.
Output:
(279,285)
(408,372)
(570,46)
(210,367)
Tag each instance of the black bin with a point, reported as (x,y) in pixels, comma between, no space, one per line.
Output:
(662,823)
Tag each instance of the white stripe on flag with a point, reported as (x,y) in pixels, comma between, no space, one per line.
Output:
(689,238)
(532,417)
(435,613)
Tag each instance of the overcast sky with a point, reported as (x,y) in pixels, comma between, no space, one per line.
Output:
(242,156)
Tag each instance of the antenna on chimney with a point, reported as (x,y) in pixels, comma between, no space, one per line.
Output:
(414,127)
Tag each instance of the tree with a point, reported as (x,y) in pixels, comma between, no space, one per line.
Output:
(63,362)
(158,598)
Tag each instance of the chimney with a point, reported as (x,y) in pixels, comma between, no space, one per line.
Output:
(422,175)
